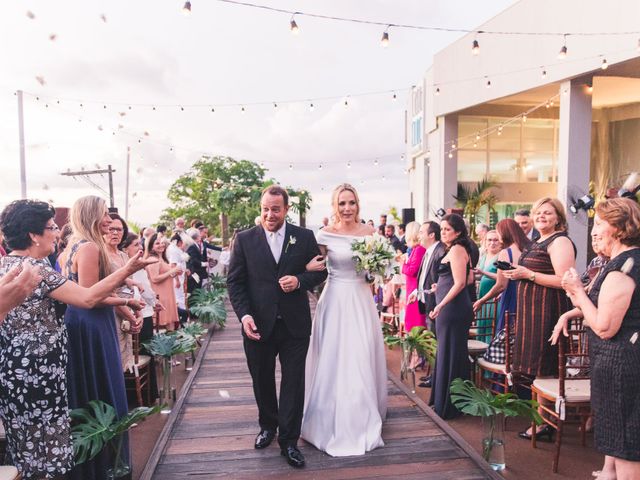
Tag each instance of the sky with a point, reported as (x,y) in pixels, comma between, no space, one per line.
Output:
(93,71)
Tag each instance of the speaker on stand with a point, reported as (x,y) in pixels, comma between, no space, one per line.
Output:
(408,215)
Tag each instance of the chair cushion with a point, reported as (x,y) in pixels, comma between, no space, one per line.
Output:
(8,472)
(492,367)
(575,390)
(476,346)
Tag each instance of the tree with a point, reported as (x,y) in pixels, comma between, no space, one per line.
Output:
(218,190)
(225,194)
(472,199)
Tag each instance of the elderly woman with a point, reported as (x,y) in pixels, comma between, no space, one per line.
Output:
(410,269)
(540,299)
(33,344)
(453,313)
(611,310)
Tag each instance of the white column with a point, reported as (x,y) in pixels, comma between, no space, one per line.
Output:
(574,150)
(443,172)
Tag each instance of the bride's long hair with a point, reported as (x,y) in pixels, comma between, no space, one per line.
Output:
(344,187)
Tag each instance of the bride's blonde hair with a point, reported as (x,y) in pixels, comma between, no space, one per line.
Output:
(344,187)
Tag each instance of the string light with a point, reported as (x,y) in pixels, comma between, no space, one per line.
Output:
(186,9)
(604,65)
(477,136)
(394,97)
(475,48)
(384,41)
(524,118)
(320,167)
(293,26)
(291,166)
(346,103)
(242,110)
(348,164)
(544,74)
(311,107)
(450,154)
(375,162)
(589,87)
(437,91)
(563,51)
(488,83)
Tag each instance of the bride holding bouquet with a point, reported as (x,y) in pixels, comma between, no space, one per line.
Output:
(346,374)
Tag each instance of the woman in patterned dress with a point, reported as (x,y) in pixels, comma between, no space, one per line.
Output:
(33,354)
(611,310)
(540,298)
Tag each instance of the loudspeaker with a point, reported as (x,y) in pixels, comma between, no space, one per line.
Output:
(408,215)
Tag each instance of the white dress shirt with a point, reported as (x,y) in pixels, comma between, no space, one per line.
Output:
(276,240)
(423,271)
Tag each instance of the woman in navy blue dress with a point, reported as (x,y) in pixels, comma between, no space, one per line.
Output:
(95,371)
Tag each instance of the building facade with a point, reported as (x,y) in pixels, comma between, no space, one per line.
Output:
(535,122)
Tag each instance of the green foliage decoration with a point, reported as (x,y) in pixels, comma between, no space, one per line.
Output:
(169,344)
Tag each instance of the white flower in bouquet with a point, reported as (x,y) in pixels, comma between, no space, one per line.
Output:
(374,255)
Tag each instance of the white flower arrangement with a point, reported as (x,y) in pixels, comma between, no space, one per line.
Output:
(292,241)
(374,255)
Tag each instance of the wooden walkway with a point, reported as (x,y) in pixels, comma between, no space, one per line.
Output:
(213,426)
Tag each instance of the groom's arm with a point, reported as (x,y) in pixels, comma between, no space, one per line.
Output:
(237,281)
(308,280)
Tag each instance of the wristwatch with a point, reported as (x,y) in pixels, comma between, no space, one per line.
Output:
(532,277)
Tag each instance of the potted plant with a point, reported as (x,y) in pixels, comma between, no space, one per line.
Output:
(97,427)
(493,408)
(193,330)
(207,304)
(420,341)
(166,345)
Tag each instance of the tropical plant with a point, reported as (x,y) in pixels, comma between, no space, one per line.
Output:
(207,304)
(480,402)
(217,282)
(300,201)
(194,330)
(472,199)
(169,344)
(419,340)
(96,426)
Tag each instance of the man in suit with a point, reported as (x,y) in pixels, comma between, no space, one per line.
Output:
(268,284)
(429,236)
(523,218)
(197,262)
(390,233)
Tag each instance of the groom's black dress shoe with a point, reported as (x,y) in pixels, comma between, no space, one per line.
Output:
(426,382)
(264,438)
(293,455)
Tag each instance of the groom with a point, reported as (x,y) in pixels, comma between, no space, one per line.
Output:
(267,285)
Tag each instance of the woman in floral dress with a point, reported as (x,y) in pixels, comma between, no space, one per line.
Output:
(33,354)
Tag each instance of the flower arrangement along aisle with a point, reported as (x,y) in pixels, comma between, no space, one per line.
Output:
(375,256)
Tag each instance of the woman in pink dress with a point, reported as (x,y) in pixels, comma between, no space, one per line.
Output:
(410,269)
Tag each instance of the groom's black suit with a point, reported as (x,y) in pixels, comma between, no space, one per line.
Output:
(283,321)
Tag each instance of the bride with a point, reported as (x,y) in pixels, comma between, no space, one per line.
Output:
(346,375)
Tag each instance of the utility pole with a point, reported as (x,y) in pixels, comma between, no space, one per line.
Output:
(126,188)
(86,173)
(23,170)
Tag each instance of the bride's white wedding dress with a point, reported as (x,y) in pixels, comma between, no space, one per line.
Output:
(346,373)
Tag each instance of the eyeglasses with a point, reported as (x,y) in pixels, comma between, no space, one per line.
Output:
(53,228)
(115,230)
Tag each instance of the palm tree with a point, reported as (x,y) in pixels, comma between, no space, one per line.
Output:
(472,199)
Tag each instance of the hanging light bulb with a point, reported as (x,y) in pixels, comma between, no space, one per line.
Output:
(437,91)
(242,110)
(548,105)
(311,107)
(375,162)
(450,154)
(293,26)
(475,145)
(488,85)
(384,41)
(275,105)
(213,110)
(475,47)
(524,118)
(544,74)
(348,164)
(590,87)
(186,9)
(261,164)
(320,167)
(563,51)
(394,97)
(500,130)
(453,146)
(477,136)
(604,65)
(346,103)
(291,166)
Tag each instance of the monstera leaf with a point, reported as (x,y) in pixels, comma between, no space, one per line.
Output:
(208,306)
(169,344)
(95,426)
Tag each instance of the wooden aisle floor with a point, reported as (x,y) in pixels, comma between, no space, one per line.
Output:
(215,425)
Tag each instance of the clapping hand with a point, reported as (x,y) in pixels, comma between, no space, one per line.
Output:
(136,262)
(572,284)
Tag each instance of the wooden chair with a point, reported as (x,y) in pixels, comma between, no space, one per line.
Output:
(138,376)
(501,378)
(392,315)
(482,330)
(567,399)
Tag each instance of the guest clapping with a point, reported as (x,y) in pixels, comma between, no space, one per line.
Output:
(611,310)
(410,268)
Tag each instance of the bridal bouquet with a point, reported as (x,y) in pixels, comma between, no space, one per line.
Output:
(375,256)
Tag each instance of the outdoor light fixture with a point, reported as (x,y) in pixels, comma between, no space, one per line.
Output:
(186,9)
(475,48)
(384,41)
(585,202)
(604,65)
(563,51)
(294,26)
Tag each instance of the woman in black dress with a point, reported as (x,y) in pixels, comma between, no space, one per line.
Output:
(611,310)
(453,314)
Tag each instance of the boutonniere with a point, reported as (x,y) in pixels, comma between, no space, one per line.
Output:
(292,241)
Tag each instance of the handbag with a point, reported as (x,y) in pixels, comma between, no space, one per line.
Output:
(497,353)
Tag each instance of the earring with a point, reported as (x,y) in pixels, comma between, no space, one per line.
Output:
(37,244)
